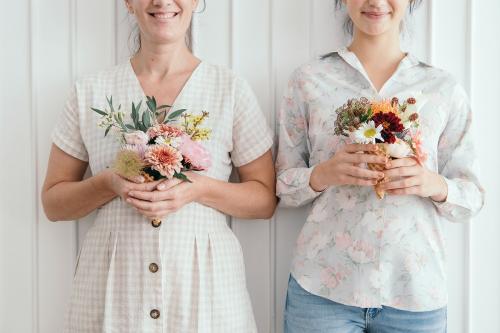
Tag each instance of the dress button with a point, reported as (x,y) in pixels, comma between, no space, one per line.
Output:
(155,314)
(156,223)
(153,268)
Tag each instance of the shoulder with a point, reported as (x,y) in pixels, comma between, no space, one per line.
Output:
(443,82)
(224,79)
(435,75)
(104,79)
(328,65)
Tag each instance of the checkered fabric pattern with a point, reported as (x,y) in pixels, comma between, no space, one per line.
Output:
(199,282)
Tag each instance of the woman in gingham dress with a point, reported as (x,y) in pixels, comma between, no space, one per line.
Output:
(160,256)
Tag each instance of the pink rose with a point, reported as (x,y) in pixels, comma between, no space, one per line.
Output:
(195,154)
(136,138)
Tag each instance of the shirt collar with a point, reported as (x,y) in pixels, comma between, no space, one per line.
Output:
(350,57)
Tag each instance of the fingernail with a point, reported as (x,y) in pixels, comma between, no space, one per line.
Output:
(129,200)
(131,193)
(161,187)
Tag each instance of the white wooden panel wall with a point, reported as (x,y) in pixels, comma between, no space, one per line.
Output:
(484,248)
(47,45)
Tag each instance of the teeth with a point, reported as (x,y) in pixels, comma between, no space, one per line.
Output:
(164,15)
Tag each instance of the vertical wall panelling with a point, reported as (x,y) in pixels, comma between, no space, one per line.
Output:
(290,48)
(35,175)
(250,59)
(17,178)
(485,230)
(262,41)
(52,81)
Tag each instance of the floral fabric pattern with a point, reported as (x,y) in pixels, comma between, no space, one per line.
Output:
(354,248)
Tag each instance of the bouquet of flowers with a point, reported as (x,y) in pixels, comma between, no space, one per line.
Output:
(392,125)
(157,144)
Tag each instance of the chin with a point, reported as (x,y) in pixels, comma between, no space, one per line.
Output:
(167,38)
(375,31)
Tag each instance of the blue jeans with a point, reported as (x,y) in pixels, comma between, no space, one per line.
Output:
(307,313)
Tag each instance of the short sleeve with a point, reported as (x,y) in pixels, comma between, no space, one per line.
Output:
(252,136)
(67,135)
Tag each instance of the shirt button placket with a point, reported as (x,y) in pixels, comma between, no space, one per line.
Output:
(156,223)
(155,314)
(154,272)
(153,267)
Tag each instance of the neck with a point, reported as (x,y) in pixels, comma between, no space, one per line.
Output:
(160,60)
(382,49)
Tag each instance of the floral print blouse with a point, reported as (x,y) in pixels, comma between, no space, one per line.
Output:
(354,248)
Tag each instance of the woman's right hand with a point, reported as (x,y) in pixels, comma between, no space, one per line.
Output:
(122,186)
(344,168)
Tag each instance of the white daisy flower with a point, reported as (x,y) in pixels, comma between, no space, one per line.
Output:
(367,133)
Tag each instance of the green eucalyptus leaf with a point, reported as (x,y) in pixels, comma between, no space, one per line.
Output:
(181,176)
(146,119)
(163,107)
(176,114)
(102,113)
(107,130)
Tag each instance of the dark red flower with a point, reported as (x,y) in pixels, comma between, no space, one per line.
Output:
(391,124)
(388,137)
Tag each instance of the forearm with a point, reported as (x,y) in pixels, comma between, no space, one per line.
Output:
(247,200)
(67,201)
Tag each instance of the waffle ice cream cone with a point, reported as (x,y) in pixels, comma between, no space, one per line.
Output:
(378,167)
(147,177)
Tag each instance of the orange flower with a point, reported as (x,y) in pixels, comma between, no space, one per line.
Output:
(164,159)
(384,107)
(165,130)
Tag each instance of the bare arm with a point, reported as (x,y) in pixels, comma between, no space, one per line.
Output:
(253,198)
(66,196)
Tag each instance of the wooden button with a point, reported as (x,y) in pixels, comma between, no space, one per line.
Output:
(156,223)
(155,314)
(153,268)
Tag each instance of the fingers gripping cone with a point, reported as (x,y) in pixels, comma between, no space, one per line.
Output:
(379,167)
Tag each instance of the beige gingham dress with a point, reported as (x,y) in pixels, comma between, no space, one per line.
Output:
(187,274)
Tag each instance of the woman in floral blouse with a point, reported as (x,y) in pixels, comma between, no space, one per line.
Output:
(362,264)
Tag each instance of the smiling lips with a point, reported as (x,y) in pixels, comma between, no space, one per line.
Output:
(375,15)
(164,16)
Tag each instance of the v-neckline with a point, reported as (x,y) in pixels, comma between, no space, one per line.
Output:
(352,59)
(181,93)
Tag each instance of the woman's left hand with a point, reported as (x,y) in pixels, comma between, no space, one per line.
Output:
(168,197)
(406,176)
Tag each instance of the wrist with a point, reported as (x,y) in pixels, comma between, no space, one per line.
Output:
(201,187)
(316,181)
(442,191)
(103,182)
